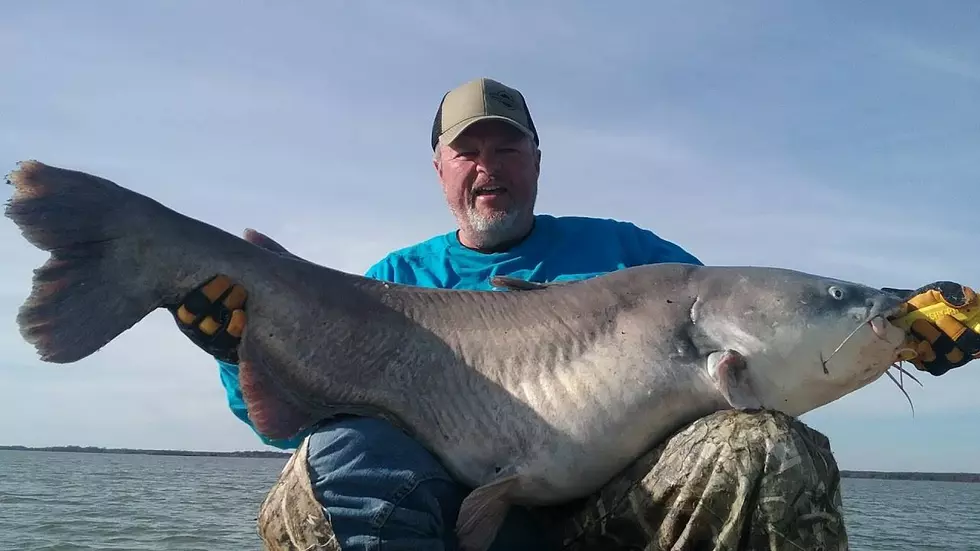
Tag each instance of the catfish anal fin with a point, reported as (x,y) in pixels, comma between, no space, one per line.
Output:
(272,415)
(482,514)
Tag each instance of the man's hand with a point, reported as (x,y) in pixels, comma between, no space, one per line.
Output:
(947,343)
(212,316)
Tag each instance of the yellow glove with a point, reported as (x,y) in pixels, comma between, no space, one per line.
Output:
(943,323)
(212,316)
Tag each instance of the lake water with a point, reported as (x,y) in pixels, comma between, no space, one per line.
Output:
(73,501)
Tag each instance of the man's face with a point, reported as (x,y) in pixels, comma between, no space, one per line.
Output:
(489,175)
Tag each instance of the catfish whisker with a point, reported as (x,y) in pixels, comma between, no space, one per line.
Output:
(899,367)
(847,338)
(909,398)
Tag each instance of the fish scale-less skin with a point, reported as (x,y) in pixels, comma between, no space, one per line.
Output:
(424,372)
(559,387)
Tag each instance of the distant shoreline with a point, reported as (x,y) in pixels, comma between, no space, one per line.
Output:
(899,475)
(880,475)
(135,451)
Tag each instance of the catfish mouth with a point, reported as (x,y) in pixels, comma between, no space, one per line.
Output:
(878,322)
(880,313)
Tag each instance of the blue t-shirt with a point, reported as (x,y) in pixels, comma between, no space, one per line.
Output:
(558,249)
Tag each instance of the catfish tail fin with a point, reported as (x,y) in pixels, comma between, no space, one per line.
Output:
(92,288)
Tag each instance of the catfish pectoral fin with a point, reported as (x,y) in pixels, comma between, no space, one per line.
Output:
(482,514)
(728,369)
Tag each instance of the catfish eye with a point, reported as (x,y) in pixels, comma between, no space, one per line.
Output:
(836,292)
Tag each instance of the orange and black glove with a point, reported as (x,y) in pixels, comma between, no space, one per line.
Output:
(212,316)
(947,343)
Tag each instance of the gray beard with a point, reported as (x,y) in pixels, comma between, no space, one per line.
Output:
(493,229)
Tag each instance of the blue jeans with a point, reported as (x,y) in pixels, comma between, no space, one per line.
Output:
(382,489)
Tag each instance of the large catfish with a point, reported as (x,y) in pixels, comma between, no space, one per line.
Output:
(532,396)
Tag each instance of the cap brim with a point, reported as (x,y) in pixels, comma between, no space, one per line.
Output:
(453,132)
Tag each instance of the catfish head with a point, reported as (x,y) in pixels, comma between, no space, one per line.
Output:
(785,340)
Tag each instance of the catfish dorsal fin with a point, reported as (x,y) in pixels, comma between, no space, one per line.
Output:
(517,284)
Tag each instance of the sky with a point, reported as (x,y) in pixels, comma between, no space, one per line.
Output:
(836,138)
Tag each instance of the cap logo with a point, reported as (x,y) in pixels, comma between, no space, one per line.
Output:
(503,98)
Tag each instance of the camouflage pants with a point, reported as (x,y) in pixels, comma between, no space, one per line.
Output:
(730,481)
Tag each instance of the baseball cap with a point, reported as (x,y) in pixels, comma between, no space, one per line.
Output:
(478,100)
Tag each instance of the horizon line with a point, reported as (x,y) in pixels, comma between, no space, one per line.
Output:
(951,476)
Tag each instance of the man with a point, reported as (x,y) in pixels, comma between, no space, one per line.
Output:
(364,484)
